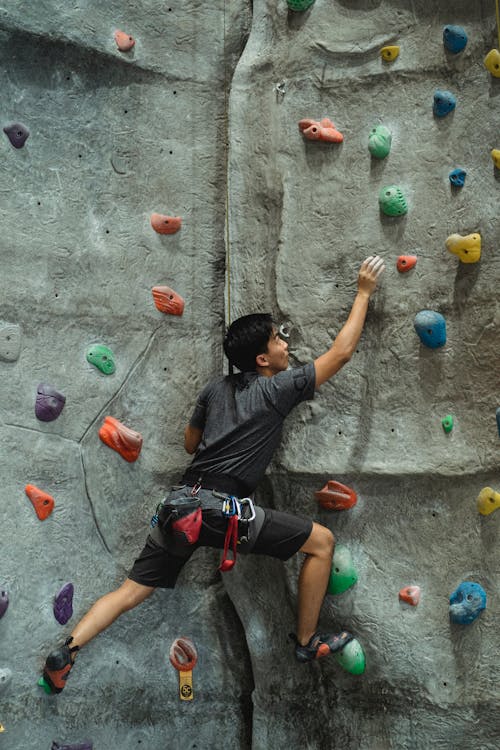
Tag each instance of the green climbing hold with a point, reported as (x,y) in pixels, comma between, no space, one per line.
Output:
(299,4)
(102,357)
(45,685)
(343,574)
(379,141)
(352,657)
(447,423)
(392,201)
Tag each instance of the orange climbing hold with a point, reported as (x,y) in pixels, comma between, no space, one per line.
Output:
(121,439)
(324,130)
(410,595)
(124,41)
(43,503)
(406,263)
(168,301)
(336,496)
(166,224)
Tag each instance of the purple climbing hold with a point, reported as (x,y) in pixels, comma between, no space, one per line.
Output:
(4,602)
(63,604)
(49,402)
(17,134)
(78,746)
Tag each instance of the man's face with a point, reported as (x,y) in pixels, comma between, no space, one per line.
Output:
(277,352)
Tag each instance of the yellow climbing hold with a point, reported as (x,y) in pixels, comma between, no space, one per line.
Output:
(389,53)
(492,62)
(467,248)
(2,728)
(487,501)
(495,155)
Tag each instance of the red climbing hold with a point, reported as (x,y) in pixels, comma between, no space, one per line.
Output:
(410,595)
(336,496)
(168,301)
(121,439)
(183,655)
(406,263)
(43,503)
(124,41)
(165,224)
(324,130)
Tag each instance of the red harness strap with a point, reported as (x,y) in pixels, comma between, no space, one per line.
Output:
(230,538)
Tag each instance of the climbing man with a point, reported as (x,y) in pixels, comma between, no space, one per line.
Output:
(233,432)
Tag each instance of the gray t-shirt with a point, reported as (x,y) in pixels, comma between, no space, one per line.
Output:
(242,419)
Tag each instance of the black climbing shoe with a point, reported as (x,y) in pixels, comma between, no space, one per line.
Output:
(320,644)
(57,667)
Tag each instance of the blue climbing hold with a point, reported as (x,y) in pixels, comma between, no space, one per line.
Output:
(457,177)
(454,38)
(431,328)
(467,602)
(444,103)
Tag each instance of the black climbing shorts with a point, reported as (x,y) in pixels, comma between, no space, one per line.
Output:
(281,536)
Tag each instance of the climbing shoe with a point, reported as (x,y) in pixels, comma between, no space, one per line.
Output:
(320,644)
(57,667)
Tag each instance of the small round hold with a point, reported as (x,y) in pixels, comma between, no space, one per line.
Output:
(444,103)
(495,155)
(389,53)
(406,262)
(454,38)
(487,501)
(49,403)
(379,141)
(447,423)
(457,177)
(124,41)
(392,201)
(17,134)
(410,595)
(492,62)
(299,5)
(467,602)
(431,328)
(166,224)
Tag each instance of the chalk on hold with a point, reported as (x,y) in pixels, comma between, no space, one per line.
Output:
(42,502)
(406,262)
(75,746)
(49,403)
(488,501)
(63,604)
(467,602)
(492,62)
(168,301)
(10,342)
(166,224)
(17,134)
(379,141)
(4,602)
(410,595)
(390,52)
(102,358)
(323,130)
(121,439)
(336,496)
(392,201)
(124,41)
(343,574)
(467,248)
(444,103)
(454,38)
(299,5)
(447,423)
(431,328)
(495,155)
(352,657)
(457,177)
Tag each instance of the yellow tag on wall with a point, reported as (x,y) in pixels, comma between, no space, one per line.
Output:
(186,686)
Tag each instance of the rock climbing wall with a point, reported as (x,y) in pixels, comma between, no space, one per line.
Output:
(189,117)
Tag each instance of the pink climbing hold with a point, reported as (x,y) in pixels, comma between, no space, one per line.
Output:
(121,439)
(166,224)
(168,301)
(324,130)
(410,595)
(336,496)
(124,41)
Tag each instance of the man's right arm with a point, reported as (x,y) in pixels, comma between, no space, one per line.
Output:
(345,344)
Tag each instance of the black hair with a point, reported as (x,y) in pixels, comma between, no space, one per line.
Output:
(247,337)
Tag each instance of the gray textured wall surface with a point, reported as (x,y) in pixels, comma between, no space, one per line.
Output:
(201,112)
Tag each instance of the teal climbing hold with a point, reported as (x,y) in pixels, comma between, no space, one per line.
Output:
(102,358)
(352,657)
(379,141)
(431,328)
(343,574)
(299,5)
(392,201)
